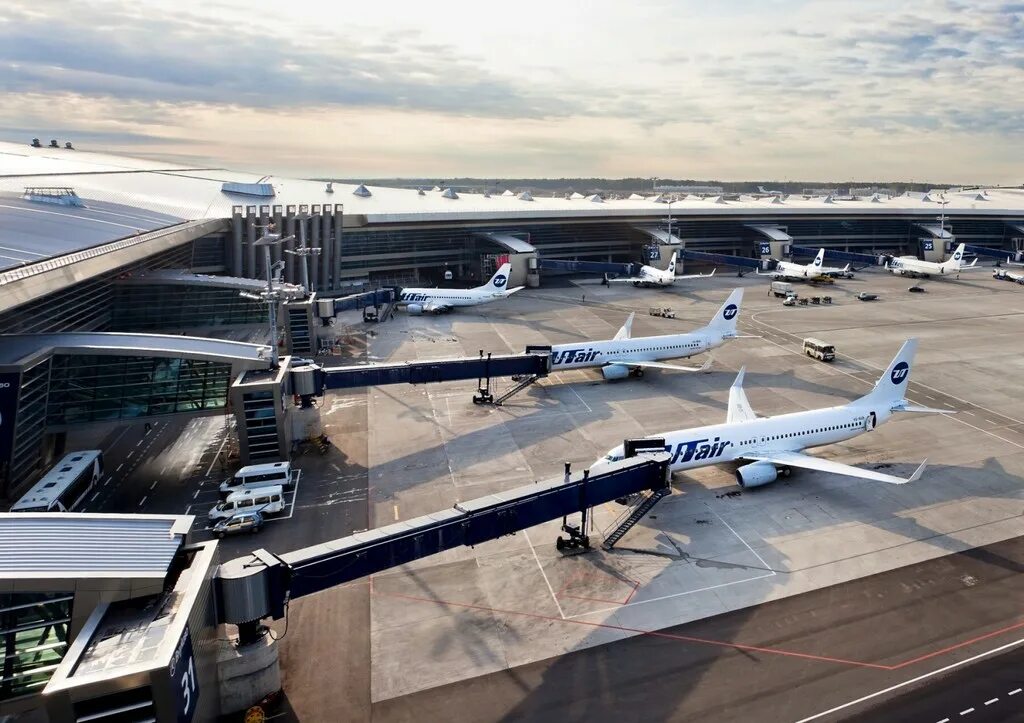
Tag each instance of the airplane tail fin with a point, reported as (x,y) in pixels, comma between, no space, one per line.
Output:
(626,330)
(819,259)
(498,282)
(672,263)
(957,259)
(727,316)
(891,387)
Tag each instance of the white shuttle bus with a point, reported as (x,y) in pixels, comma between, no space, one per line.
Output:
(65,487)
(259,475)
(265,500)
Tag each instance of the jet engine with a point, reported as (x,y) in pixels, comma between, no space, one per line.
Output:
(615,371)
(756,474)
(414,309)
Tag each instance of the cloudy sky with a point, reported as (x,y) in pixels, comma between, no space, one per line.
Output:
(727,89)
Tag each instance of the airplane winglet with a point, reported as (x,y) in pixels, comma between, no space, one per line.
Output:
(706,366)
(738,381)
(905,406)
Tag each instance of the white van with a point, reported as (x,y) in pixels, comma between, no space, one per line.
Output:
(259,475)
(265,500)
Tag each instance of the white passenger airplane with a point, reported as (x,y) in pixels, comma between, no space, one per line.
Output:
(913,266)
(813,270)
(624,355)
(651,276)
(770,443)
(438,301)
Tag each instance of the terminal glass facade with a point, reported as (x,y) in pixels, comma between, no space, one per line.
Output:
(90,388)
(153,307)
(34,630)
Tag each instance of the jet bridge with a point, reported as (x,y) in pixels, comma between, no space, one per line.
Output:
(743,263)
(525,369)
(831,254)
(588,267)
(261,584)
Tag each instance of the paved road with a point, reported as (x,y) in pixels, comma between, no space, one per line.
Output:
(781,661)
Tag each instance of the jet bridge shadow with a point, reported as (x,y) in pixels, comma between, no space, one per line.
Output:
(716,667)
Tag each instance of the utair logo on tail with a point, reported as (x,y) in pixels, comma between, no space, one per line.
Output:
(957,256)
(730,311)
(500,280)
(899,373)
(697,449)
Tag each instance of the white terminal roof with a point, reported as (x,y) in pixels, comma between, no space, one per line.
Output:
(193,193)
(59,545)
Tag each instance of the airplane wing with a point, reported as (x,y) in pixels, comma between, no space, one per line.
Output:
(806,461)
(630,280)
(509,292)
(660,365)
(739,407)
(905,406)
(697,276)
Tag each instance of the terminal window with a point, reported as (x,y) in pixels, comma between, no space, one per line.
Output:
(34,629)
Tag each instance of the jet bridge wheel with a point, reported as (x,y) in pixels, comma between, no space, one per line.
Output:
(483,397)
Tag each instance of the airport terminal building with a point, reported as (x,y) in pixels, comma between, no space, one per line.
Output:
(104,259)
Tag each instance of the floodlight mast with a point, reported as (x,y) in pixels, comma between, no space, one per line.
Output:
(272,297)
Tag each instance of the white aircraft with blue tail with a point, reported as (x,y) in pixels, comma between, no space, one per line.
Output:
(769,445)
(438,301)
(626,355)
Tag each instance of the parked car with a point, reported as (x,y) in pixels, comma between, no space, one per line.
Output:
(916,289)
(237,524)
(663,311)
(865,296)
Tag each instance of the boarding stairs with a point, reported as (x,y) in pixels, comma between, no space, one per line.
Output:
(633,515)
(484,396)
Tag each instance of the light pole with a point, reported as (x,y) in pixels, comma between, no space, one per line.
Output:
(303,252)
(271,297)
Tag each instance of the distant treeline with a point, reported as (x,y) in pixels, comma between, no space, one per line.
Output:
(643,186)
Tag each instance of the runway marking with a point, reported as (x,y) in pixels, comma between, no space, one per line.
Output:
(990,702)
(912,681)
(119,467)
(130,454)
(196,494)
(967,712)
(544,575)
(155,482)
(1014,692)
(396,513)
(93,498)
(143,500)
(187,509)
(944,720)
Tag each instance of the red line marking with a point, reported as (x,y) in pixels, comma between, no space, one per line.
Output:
(638,631)
(957,646)
(592,599)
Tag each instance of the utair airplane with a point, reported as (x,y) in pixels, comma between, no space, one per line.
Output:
(769,444)
(438,301)
(625,355)
(913,266)
(813,270)
(651,276)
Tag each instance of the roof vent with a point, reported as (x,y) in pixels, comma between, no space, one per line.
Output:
(525,196)
(660,198)
(829,199)
(449,193)
(875,198)
(421,192)
(575,196)
(775,200)
(595,198)
(330,187)
(436,188)
(248,189)
(362,191)
(927,198)
(54,143)
(36,143)
(487,194)
(58,195)
(508,192)
(68,146)
(717,199)
(635,197)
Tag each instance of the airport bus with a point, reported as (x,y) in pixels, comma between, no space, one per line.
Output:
(65,487)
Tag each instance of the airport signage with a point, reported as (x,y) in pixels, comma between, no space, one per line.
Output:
(10,384)
(184,683)
(766,248)
(929,245)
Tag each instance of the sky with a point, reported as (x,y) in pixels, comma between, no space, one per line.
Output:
(727,89)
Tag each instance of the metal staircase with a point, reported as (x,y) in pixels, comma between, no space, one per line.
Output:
(647,502)
(484,396)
